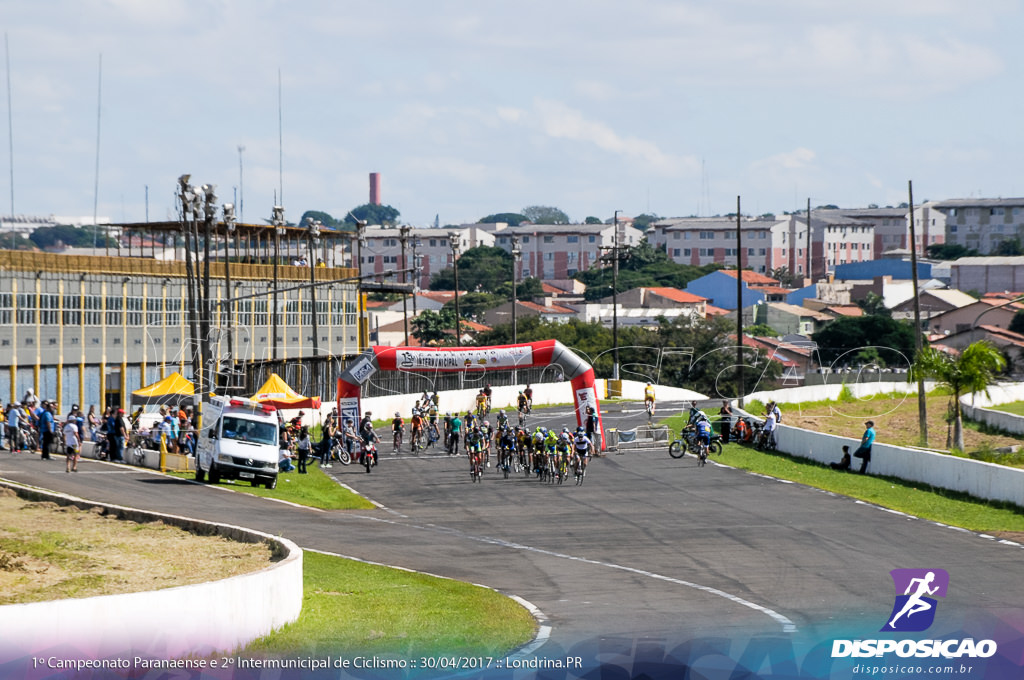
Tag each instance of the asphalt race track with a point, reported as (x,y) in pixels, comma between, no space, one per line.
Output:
(649,548)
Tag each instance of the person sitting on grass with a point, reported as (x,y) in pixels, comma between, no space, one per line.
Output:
(844,462)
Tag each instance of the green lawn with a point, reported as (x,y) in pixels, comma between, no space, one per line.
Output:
(370,609)
(315,490)
(1016,408)
(948,507)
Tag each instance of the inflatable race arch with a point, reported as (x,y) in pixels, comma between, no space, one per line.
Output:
(455,359)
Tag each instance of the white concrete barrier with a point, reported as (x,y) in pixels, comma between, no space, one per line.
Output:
(979,407)
(195,620)
(979,479)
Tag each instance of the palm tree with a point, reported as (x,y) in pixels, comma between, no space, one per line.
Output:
(975,370)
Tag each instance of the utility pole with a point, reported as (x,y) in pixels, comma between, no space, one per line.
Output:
(922,401)
(403,237)
(229,230)
(809,274)
(454,239)
(741,387)
(189,208)
(516,252)
(277,220)
(615,297)
(313,233)
(205,325)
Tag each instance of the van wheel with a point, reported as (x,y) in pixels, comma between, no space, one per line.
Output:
(200,473)
(213,473)
(272,484)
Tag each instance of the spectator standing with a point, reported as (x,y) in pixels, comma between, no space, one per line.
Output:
(303,448)
(3,425)
(72,444)
(591,423)
(47,429)
(93,422)
(116,433)
(14,421)
(725,420)
(864,450)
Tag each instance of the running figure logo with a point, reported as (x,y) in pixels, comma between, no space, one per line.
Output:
(914,609)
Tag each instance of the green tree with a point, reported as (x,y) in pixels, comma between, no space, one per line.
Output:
(761,330)
(873,304)
(785,277)
(483,269)
(1009,247)
(373,214)
(527,289)
(641,265)
(512,219)
(643,221)
(841,340)
(593,220)
(1017,322)
(325,218)
(975,370)
(68,235)
(544,214)
(950,251)
(435,328)
(472,305)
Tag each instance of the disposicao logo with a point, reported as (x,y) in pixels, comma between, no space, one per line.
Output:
(914,609)
(913,612)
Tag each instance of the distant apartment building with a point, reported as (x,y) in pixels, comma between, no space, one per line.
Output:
(712,240)
(981,223)
(432,249)
(556,252)
(768,244)
(892,226)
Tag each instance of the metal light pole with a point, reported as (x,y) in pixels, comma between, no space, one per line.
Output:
(403,237)
(189,207)
(313,234)
(415,274)
(361,324)
(615,298)
(454,241)
(229,228)
(277,220)
(516,254)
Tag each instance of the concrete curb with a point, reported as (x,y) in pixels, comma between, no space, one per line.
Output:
(194,620)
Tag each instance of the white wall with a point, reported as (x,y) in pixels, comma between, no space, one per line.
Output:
(977,407)
(977,478)
(219,616)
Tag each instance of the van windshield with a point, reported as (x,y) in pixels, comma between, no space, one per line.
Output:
(247,430)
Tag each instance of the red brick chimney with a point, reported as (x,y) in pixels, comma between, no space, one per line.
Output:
(374,188)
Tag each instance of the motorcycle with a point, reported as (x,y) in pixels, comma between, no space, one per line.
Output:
(688,441)
(369,454)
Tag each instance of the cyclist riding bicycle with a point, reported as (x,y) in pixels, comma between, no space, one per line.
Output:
(528,393)
(487,393)
(481,403)
(649,398)
(416,429)
(703,427)
(582,447)
(502,420)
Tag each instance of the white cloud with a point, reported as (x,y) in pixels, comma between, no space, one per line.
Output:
(562,122)
(797,159)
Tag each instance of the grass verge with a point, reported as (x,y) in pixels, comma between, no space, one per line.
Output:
(316,490)
(920,500)
(376,610)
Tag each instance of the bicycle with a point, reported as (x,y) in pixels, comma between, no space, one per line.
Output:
(649,407)
(433,436)
(396,442)
(579,468)
(476,467)
(417,440)
(522,417)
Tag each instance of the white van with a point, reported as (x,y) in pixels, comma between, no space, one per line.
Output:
(239,440)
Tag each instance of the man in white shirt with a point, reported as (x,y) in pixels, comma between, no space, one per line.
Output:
(72,444)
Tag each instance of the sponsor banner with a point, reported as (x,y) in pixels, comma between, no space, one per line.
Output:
(361,369)
(348,407)
(516,356)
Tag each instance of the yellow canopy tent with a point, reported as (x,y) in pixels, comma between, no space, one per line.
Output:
(173,389)
(276,392)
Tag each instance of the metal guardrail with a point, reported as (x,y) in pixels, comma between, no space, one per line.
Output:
(641,437)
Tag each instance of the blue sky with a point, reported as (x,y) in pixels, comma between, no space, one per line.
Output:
(470,108)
